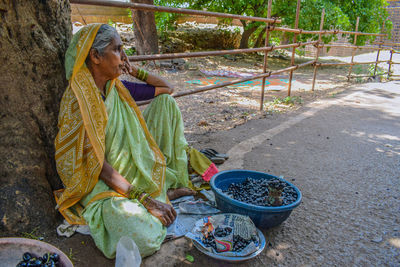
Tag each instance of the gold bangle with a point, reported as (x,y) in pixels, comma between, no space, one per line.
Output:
(134,193)
(143,198)
(145,201)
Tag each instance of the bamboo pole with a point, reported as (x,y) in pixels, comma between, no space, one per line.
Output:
(379,50)
(170,9)
(354,50)
(215,53)
(321,26)
(296,25)
(265,55)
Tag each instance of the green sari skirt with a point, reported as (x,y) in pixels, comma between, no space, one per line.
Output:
(111,218)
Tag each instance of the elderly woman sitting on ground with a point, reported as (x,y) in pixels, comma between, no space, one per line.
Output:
(119,167)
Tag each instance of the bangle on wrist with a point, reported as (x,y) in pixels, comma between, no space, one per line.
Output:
(134,193)
(144,198)
(142,74)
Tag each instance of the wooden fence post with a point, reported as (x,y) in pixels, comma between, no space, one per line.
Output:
(265,55)
(296,25)
(321,26)
(354,50)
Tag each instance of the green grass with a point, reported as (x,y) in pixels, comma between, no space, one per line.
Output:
(289,100)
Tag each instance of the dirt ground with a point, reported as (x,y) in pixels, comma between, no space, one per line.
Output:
(218,111)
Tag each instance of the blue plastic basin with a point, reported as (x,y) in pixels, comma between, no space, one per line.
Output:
(263,217)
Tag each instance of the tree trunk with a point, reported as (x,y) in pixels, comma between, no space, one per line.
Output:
(260,42)
(144,27)
(244,42)
(34,36)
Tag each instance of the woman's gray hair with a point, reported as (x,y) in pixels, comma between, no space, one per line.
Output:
(104,37)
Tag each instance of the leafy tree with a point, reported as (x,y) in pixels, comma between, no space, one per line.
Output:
(339,14)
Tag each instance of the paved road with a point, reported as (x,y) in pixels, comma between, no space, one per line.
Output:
(344,155)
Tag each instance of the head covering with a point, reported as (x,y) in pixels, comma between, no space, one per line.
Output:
(80,142)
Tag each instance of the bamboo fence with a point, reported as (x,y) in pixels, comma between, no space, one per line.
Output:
(270,26)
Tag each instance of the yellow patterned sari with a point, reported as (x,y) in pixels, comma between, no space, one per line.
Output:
(149,150)
(80,142)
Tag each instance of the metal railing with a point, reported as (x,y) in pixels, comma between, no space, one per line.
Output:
(270,26)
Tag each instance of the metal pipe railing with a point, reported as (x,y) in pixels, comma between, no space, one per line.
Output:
(265,63)
(354,47)
(270,26)
(171,10)
(321,26)
(349,63)
(215,86)
(296,25)
(301,31)
(216,53)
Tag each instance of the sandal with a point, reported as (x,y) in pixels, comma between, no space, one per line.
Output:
(217,154)
(214,159)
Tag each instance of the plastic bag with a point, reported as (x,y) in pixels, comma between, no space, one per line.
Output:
(128,254)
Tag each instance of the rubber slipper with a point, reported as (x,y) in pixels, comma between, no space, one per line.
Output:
(217,154)
(217,160)
(210,156)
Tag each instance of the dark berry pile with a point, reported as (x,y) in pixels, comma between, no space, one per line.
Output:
(221,232)
(239,243)
(47,260)
(262,192)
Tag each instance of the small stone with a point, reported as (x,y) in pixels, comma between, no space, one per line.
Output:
(377,239)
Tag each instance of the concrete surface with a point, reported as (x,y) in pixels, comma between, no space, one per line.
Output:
(344,155)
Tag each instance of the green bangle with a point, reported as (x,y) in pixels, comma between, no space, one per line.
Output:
(146,74)
(142,75)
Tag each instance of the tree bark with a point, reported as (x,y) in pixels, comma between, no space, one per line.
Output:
(34,36)
(247,32)
(260,42)
(144,27)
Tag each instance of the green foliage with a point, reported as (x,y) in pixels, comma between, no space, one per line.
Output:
(371,70)
(164,20)
(111,23)
(130,51)
(339,14)
(359,69)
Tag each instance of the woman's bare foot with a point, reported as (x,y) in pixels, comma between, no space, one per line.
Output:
(180,192)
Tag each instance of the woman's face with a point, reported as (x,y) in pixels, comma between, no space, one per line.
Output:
(111,62)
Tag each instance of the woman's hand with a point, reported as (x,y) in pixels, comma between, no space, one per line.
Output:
(127,68)
(164,212)
(162,85)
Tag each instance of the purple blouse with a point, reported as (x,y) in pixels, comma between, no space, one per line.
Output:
(140,91)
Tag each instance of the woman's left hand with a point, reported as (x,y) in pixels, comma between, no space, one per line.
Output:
(162,211)
(126,68)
